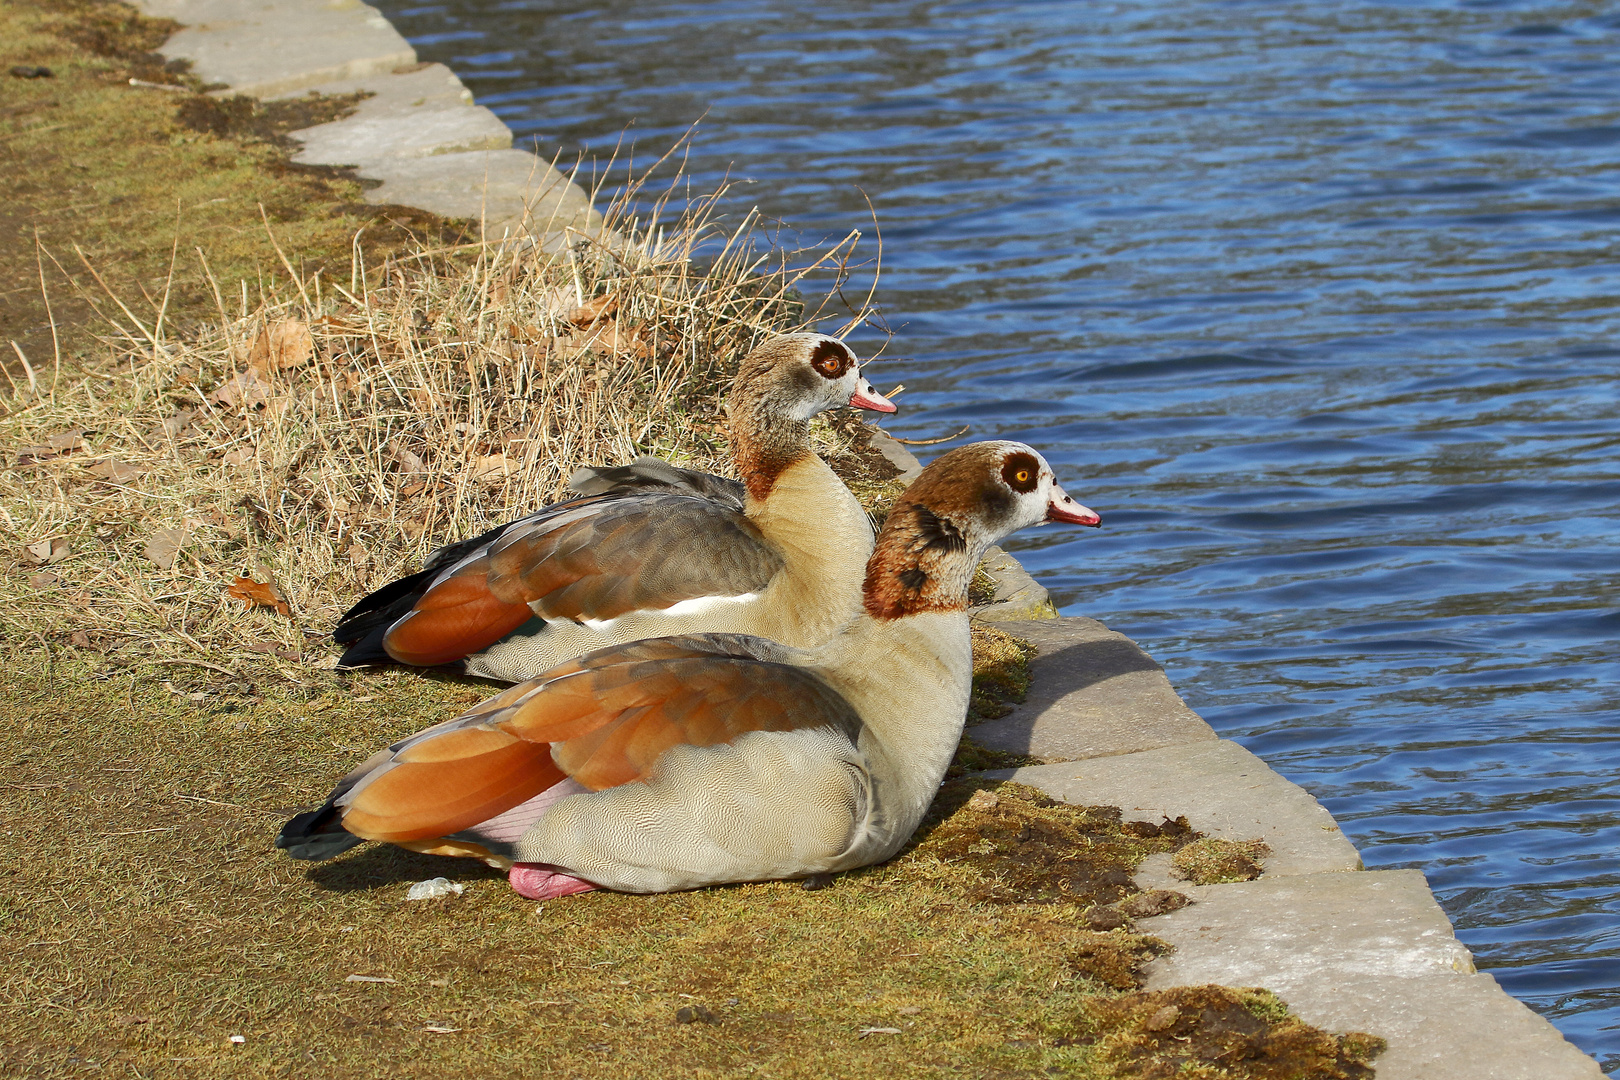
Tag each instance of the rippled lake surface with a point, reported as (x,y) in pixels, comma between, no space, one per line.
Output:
(1316,303)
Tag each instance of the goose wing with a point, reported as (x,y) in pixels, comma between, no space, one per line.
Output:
(592,558)
(603,720)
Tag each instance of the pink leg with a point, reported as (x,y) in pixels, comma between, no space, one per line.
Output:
(537,881)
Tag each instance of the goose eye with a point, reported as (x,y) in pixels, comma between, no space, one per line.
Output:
(1021,472)
(830,360)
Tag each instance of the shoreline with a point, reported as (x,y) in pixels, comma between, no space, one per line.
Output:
(1097,698)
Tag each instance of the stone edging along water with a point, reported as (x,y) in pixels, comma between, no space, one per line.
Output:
(1348,949)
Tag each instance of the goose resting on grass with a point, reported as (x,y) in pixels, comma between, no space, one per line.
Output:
(650,549)
(680,762)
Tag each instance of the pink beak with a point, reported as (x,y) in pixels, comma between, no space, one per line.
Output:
(867,397)
(1063,508)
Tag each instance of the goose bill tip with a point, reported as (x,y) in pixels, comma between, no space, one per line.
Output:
(1065,509)
(867,397)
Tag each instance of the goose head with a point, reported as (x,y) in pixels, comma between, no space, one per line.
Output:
(799,375)
(779,387)
(964,501)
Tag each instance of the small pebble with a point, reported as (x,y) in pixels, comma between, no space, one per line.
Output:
(984,800)
(695,1014)
(1163,1019)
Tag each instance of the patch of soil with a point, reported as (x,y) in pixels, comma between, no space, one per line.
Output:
(119,32)
(245,118)
(1199,1032)
(1032,849)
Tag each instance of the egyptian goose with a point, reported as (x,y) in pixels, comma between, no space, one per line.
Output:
(649,549)
(680,762)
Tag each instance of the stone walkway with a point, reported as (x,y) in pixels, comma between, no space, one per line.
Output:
(1348,949)
(419,134)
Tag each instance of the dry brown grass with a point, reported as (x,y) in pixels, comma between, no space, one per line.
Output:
(323,435)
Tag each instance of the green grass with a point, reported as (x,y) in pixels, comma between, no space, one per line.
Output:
(138,179)
(147,920)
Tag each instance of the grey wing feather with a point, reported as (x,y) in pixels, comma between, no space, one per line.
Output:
(650,473)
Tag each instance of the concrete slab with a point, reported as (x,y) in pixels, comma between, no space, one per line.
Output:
(419,84)
(896,452)
(1092,693)
(416,114)
(510,190)
(267,47)
(1018,597)
(1223,790)
(1370,952)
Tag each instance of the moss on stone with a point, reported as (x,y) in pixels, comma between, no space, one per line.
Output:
(1213,861)
(1217,1033)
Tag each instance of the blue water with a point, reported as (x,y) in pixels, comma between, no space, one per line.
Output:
(1316,303)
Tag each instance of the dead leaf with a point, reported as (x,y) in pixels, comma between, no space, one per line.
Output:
(50,551)
(613,338)
(282,345)
(358,555)
(43,579)
(190,695)
(176,425)
(80,639)
(273,649)
(595,309)
(119,472)
(494,466)
(163,546)
(406,460)
(261,593)
(238,455)
(244,389)
(65,442)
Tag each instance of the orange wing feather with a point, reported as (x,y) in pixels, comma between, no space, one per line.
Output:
(604,720)
(454,619)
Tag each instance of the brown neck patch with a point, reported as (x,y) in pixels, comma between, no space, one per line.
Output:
(762,457)
(922,563)
(929,547)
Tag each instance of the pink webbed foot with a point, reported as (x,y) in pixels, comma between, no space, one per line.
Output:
(537,881)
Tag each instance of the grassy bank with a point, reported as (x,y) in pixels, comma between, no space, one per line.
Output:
(137,178)
(219,450)
(146,923)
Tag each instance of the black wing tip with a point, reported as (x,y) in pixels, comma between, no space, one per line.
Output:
(316,835)
(363,652)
